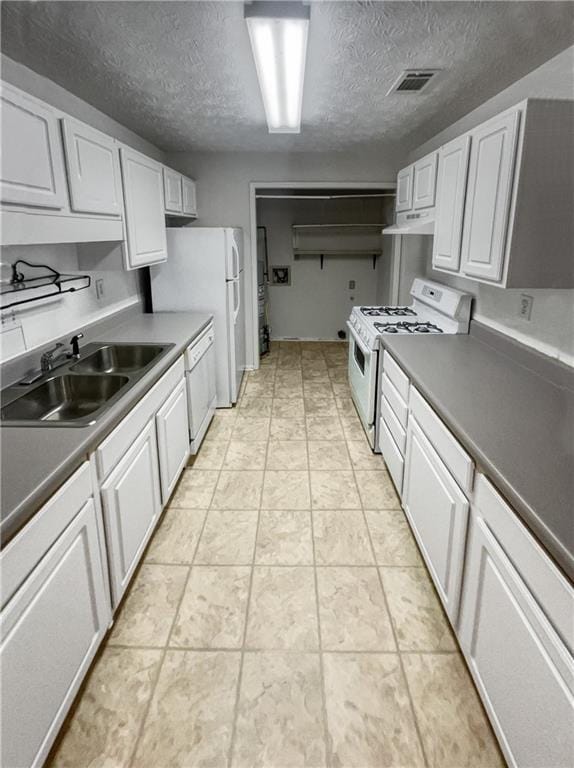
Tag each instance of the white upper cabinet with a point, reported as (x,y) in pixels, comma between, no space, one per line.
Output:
(32,163)
(189,197)
(488,196)
(450,195)
(424,181)
(173,191)
(93,169)
(404,200)
(144,209)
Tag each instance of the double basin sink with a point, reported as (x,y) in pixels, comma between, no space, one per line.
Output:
(78,392)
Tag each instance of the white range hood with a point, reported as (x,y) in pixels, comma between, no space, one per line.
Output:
(419,223)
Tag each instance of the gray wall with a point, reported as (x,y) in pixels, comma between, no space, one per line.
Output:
(551,328)
(317,303)
(223,186)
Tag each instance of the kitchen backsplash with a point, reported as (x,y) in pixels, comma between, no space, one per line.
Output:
(27,327)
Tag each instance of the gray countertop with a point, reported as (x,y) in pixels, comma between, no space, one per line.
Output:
(516,423)
(35,461)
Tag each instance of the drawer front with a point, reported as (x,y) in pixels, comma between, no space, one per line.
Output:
(397,376)
(117,442)
(394,425)
(30,545)
(392,456)
(449,449)
(396,402)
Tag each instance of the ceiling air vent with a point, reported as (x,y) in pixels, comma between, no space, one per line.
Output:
(413,81)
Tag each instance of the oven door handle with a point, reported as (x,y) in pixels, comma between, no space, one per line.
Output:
(358,341)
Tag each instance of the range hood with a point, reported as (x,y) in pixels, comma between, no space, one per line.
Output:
(337,239)
(419,223)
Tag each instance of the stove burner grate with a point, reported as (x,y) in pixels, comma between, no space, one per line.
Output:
(387,311)
(407,327)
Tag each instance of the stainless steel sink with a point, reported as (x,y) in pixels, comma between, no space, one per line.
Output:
(64,398)
(119,358)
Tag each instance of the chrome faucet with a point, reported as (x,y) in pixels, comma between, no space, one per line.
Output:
(47,360)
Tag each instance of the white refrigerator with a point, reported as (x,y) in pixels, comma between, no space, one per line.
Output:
(204,273)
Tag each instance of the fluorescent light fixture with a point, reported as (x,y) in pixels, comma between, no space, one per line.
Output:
(278,35)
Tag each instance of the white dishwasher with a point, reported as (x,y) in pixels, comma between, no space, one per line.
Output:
(201,387)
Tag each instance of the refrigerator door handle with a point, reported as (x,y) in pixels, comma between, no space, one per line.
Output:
(236,300)
(235,254)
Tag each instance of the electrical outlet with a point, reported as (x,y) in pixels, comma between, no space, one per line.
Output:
(526,303)
(351,285)
(100,288)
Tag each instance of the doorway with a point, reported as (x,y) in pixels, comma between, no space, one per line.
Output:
(318,252)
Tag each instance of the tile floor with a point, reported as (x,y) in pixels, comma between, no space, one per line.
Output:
(282,615)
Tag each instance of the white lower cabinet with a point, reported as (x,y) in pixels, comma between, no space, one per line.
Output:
(172,439)
(516,631)
(132,504)
(438,513)
(51,628)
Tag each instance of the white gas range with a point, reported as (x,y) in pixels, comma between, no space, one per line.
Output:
(435,309)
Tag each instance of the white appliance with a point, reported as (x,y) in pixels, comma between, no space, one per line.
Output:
(201,385)
(435,309)
(204,273)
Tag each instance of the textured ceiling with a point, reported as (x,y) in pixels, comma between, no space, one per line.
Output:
(181,74)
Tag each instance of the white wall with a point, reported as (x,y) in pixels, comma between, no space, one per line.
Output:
(551,327)
(223,180)
(317,303)
(27,326)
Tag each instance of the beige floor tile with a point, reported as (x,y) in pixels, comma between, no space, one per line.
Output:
(288,391)
(286,490)
(149,609)
(287,429)
(210,456)
(326,454)
(324,428)
(279,720)
(262,375)
(228,538)
(338,373)
(245,455)
(317,388)
(221,425)
(260,388)
(254,406)
(287,454)
(345,405)
(288,409)
(377,490)
(284,538)
(282,610)
(352,427)
(352,610)
(289,378)
(341,538)
(104,728)
(452,723)
(191,715)
(332,489)
(320,405)
(362,457)
(176,537)
(418,618)
(341,388)
(238,490)
(392,539)
(251,429)
(212,612)
(368,712)
(195,489)
(319,373)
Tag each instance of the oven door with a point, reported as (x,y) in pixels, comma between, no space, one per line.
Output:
(363,381)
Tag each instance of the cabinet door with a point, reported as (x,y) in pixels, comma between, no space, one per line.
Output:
(93,169)
(521,667)
(172,439)
(438,512)
(172,190)
(132,504)
(145,221)
(450,195)
(404,201)
(424,181)
(488,196)
(189,197)
(32,164)
(51,630)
